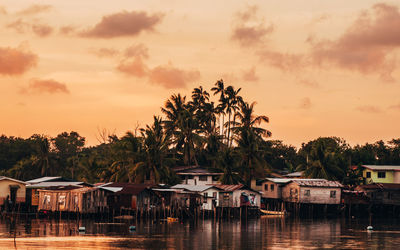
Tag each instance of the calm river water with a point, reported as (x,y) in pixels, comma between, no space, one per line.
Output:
(263,233)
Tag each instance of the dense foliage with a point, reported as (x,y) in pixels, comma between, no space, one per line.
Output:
(224,135)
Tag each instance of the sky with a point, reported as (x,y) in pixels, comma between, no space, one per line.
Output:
(315,68)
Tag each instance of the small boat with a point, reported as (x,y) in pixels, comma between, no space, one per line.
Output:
(269,212)
(170,219)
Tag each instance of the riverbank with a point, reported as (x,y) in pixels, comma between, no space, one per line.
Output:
(271,231)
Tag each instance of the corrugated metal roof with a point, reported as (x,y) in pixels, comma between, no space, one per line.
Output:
(112,189)
(382,167)
(390,186)
(57,184)
(198,171)
(194,188)
(317,183)
(11,179)
(43,179)
(229,188)
(295,174)
(128,188)
(286,180)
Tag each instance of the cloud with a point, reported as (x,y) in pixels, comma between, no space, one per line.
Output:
(170,77)
(249,29)
(305,103)
(369,109)
(138,50)
(250,75)
(42,30)
(16,61)
(38,29)
(35,9)
(3,10)
(395,107)
(104,52)
(283,61)
(134,67)
(366,45)
(66,30)
(123,24)
(38,86)
(19,26)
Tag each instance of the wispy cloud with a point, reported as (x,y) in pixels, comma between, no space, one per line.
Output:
(369,109)
(35,9)
(250,75)
(305,103)
(124,24)
(16,61)
(249,28)
(39,86)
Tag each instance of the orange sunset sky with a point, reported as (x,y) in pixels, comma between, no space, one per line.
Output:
(316,68)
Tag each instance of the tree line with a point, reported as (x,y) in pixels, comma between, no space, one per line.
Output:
(217,129)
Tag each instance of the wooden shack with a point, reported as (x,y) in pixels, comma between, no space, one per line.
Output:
(314,191)
(237,196)
(381,193)
(208,194)
(82,200)
(131,196)
(12,192)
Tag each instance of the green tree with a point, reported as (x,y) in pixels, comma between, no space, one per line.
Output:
(324,159)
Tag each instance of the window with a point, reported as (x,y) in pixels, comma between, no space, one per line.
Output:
(381,174)
(272,187)
(333,194)
(203,178)
(61,200)
(215,177)
(266,187)
(215,194)
(205,195)
(307,192)
(368,174)
(226,196)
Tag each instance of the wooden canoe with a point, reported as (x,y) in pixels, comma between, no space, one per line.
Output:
(269,212)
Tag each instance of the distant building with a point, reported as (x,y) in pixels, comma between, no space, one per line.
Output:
(194,175)
(381,174)
(209,194)
(48,182)
(316,191)
(381,193)
(12,192)
(238,196)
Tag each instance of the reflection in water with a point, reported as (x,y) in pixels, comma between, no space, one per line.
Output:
(266,232)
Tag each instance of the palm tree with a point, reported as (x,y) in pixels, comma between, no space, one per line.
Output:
(155,165)
(251,157)
(173,108)
(220,109)
(228,164)
(126,154)
(323,161)
(182,124)
(247,120)
(42,155)
(232,101)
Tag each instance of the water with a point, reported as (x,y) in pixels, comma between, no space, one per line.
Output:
(263,233)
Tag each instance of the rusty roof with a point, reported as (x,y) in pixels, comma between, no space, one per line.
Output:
(317,183)
(229,188)
(381,186)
